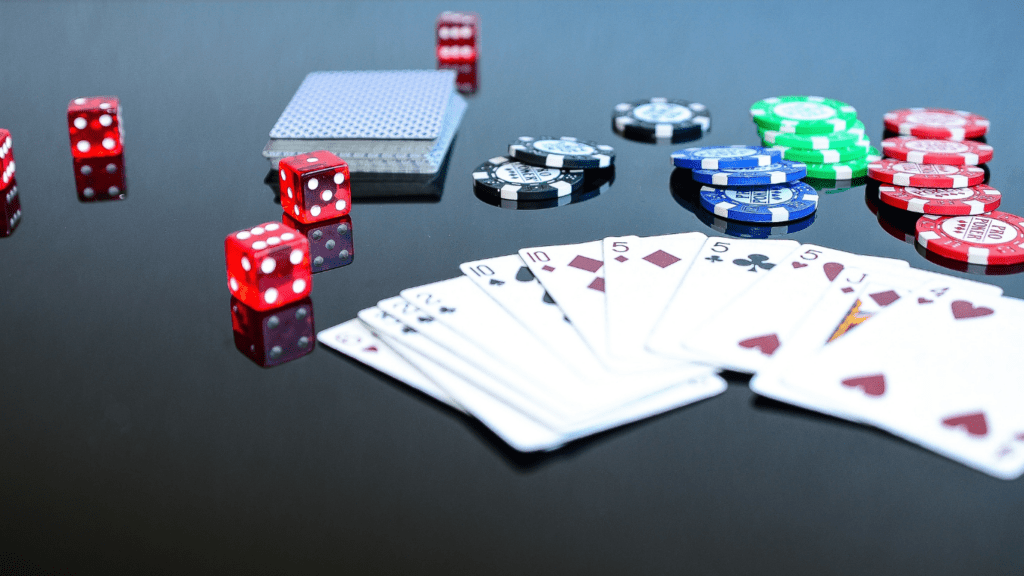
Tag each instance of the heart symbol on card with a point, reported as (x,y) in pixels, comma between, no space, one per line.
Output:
(963,309)
(973,423)
(832,269)
(873,385)
(923,300)
(766,344)
(799,265)
(370,349)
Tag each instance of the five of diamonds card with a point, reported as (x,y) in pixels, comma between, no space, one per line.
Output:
(555,343)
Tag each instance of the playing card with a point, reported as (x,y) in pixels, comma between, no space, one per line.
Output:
(722,269)
(573,276)
(355,340)
(745,334)
(640,275)
(936,369)
(464,383)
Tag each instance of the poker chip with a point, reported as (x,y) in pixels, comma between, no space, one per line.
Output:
(512,180)
(718,157)
(754,231)
(843,170)
(564,152)
(830,156)
(992,238)
(936,123)
(661,120)
(803,114)
(773,203)
(777,173)
(841,139)
(942,201)
(903,173)
(934,151)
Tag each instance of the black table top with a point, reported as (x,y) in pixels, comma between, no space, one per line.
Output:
(136,438)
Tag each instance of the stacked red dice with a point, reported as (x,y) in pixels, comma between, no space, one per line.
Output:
(10,204)
(96,128)
(458,41)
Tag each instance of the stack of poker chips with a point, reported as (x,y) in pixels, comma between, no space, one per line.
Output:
(661,120)
(458,48)
(749,184)
(10,204)
(822,133)
(934,167)
(544,169)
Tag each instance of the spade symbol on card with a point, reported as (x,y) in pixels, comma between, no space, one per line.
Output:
(963,309)
(873,385)
(766,344)
(496,282)
(832,269)
(755,261)
(425,319)
(407,329)
(446,310)
(524,274)
(973,423)
(547,299)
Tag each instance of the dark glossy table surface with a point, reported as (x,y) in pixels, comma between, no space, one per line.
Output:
(135,438)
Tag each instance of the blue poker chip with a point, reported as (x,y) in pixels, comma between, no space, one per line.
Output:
(754,231)
(778,173)
(719,157)
(773,203)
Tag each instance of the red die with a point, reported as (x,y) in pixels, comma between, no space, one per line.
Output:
(466,78)
(10,208)
(100,178)
(268,266)
(95,126)
(315,186)
(275,336)
(330,242)
(458,28)
(6,159)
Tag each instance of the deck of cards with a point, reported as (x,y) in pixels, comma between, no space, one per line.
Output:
(555,343)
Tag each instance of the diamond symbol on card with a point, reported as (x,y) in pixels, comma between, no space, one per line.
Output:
(547,268)
(885,298)
(661,259)
(370,349)
(621,258)
(847,290)
(588,264)
(597,284)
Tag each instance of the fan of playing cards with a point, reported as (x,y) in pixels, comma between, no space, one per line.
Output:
(558,342)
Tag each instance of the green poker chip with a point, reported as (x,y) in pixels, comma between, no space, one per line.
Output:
(803,114)
(844,170)
(832,156)
(841,139)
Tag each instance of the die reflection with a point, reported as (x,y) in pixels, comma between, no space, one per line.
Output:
(10,216)
(100,178)
(686,192)
(330,241)
(274,336)
(833,186)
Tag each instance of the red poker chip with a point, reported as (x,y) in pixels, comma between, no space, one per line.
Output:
(942,201)
(934,151)
(903,173)
(993,238)
(936,123)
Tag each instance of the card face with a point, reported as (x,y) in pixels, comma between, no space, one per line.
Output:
(748,332)
(464,383)
(722,269)
(355,340)
(641,274)
(933,369)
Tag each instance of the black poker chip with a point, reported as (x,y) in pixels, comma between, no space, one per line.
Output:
(658,120)
(510,180)
(563,152)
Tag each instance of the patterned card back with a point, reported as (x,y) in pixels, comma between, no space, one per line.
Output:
(370,104)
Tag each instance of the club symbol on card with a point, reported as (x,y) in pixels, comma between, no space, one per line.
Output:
(755,261)
(963,309)
(496,282)
(766,344)
(524,274)
(973,423)
(407,329)
(832,269)
(425,319)
(713,258)
(661,259)
(446,310)
(873,385)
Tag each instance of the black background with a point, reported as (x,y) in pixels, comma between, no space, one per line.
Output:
(134,437)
